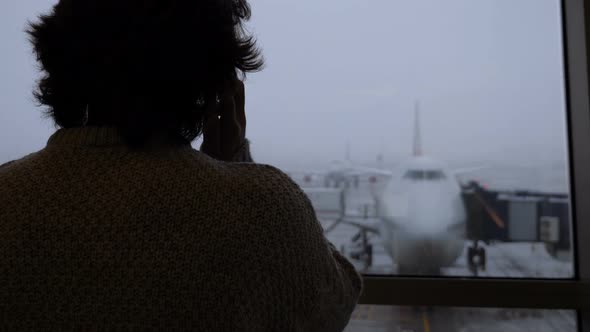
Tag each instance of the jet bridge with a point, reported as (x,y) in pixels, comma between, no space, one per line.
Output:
(517,216)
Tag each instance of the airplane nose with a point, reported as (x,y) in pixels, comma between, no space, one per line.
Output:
(426,227)
(431,213)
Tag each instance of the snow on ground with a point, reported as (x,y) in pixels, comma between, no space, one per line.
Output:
(505,260)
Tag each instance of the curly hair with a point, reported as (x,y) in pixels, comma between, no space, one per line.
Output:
(140,65)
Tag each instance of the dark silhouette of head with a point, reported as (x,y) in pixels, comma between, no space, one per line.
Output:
(142,66)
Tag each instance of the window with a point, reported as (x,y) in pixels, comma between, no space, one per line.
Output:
(414,175)
(498,89)
(435,175)
(429,175)
(449,122)
(461,125)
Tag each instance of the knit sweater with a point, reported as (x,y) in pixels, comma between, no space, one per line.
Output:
(94,235)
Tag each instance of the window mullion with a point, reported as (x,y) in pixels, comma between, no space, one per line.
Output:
(498,293)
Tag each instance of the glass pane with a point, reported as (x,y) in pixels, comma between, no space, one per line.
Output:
(416,127)
(407,319)
(429,135)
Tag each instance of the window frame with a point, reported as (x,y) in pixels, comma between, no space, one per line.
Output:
(526,293)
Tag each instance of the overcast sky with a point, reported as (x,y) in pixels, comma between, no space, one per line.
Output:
(488,74)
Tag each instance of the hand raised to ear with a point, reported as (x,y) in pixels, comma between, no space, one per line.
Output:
(224,132)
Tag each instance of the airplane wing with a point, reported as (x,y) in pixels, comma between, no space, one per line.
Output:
(367,228)
(353,174)
(360,170)
(310,172)
(364,175)
(350,221)
(307,178)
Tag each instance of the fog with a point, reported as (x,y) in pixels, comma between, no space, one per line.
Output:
(487,73)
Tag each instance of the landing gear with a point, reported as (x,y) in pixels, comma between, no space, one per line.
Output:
(360,249)
(476,258)
(366,256)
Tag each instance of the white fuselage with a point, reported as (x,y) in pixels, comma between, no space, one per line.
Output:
(422,216)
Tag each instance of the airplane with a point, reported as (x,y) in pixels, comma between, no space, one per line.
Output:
(421,214)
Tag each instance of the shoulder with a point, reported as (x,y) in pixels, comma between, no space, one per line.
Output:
(271,180)
(17,163)
(274,194)
(17,177)
(259,193)
(267,176)
(5,165)
(261,178)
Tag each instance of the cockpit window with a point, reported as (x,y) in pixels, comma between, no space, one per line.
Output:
(429,175)
(435,175)
(414,175)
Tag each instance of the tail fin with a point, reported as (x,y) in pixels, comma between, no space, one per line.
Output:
(417,134)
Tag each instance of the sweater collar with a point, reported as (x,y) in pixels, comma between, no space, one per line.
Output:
(91,137)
